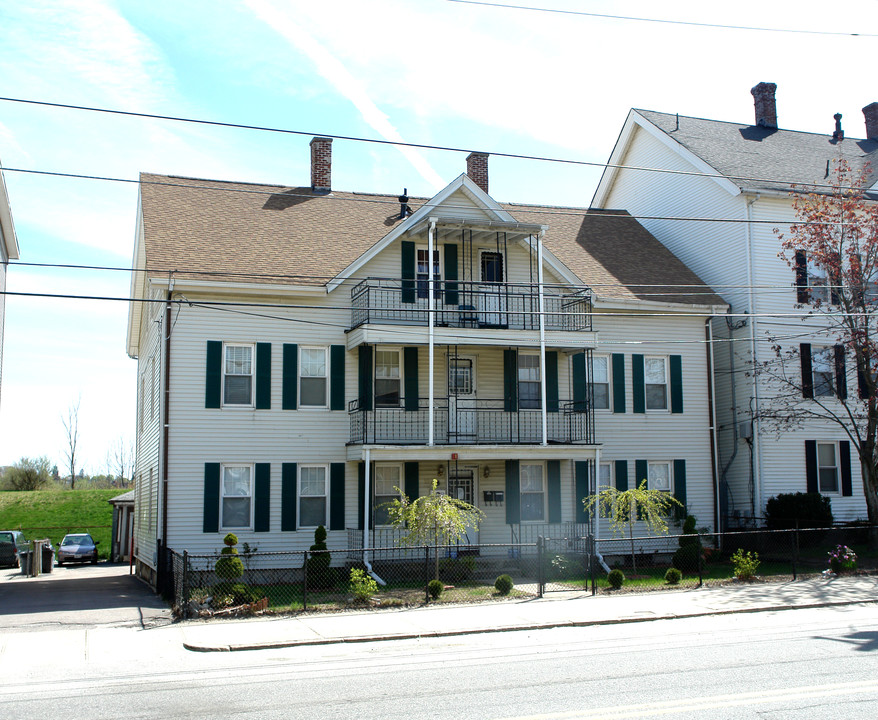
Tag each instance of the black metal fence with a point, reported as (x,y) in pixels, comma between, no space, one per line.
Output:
(216,584)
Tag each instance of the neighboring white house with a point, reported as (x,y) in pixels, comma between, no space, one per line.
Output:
(302,351)
(8,251)
(740,175)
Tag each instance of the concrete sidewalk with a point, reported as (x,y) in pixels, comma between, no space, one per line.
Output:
(555,610)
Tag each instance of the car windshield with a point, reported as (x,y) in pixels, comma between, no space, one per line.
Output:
(77,540)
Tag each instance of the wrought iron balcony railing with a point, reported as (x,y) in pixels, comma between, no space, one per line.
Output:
(470,422)
(466,304)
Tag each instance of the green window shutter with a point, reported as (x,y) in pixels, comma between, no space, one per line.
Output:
(365,377)
(263,376)
(510,381)
(211,497)
(553,486)
(451,287)
(680,486)
(290,385)
(641,472)
(844,459)
(811,483)
(337,379)
(621,475)
(513,493)
(807,376)
(841,380)
(552,403)
(412,480)
(618,361)
(288,496)
(407,270)
(213,389)
(638,386)
(410,370)
(336,496)
(675,363)
(262,498)
(581,473)
(361,493)
(580,387)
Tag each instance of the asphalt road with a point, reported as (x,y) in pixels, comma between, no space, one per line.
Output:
(811,663)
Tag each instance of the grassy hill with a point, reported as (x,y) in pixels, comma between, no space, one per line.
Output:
(54,513)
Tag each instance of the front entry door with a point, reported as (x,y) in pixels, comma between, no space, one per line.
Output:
(462,416)
(462,486)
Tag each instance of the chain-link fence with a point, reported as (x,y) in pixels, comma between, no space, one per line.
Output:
(223,584)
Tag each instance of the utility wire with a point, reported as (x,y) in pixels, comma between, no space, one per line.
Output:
(690,23)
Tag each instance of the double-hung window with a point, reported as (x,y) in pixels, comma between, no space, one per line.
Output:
(237,491)
(387,479)
(659,476)
(238,375)
(656,380)
(605,476)
(528,381)
(827,467)
(422,271)
(600,382)
(533,493)
(312,496)
(387,378)
(823,371)
(312,377)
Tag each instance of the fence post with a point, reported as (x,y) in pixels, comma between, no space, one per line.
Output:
(184,585)
(541,580)
(795,540)
(592,549)
(305,581)
(427,572)
(700,566)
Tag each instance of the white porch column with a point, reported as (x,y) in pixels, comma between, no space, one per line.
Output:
(430,308)
(545,416)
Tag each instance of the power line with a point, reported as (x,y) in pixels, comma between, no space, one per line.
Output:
(399,143)
(659,20)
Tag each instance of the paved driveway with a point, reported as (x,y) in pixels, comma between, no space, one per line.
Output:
(77,596)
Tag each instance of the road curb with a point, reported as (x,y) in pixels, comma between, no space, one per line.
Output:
(241,647)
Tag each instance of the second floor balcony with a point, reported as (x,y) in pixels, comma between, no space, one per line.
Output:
(469,304)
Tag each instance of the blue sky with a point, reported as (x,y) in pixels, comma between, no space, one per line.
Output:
(431,71)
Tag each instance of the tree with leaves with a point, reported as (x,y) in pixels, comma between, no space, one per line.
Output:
(28,474)
(833,248)
(624,508)
(435,519)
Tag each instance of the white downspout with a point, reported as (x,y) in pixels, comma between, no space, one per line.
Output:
(430,238)
(757,429)
(597,515)
(367,493)
(545,417)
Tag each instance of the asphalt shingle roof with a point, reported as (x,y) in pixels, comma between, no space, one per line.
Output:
(213,230)
(759,158)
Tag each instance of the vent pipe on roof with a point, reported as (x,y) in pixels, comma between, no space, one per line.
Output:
(477,169)
(871,114)
(404,209)
(321,164)
(838,133)
(765,104)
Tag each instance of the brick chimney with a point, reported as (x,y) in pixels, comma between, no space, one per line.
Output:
(871,114)
(765,104)
(477,169)
(321,164)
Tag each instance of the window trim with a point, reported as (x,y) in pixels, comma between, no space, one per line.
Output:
(401,363)
(544,492)
(836,467)
(299,496)
(326,377)
(609,382)
(828,352)
(438,284)
(252,375)
(222,495)
(401,469)
(667,463)
(667,383)
(538,382)
(611,465)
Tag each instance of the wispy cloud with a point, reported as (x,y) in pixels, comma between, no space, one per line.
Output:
(335,72)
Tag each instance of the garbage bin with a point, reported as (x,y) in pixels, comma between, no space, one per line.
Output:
(48,558)
(24,558)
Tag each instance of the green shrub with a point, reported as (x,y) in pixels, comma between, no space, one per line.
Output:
(362,586)
(503,584)
(435,588)
(231,540)
(457,570)
(808,510)
(687,558)
(319,560)
(673,576)
(616,578)
(745,564)
(229,565)
(690,531)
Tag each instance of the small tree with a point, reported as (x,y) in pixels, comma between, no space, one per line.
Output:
(625,507)
(28,474)
(435,519)
(71,432)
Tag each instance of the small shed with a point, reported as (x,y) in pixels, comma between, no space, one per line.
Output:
(123,526)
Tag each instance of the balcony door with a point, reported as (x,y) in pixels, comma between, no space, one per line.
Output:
(462,486)
(462,416)
(492,306)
